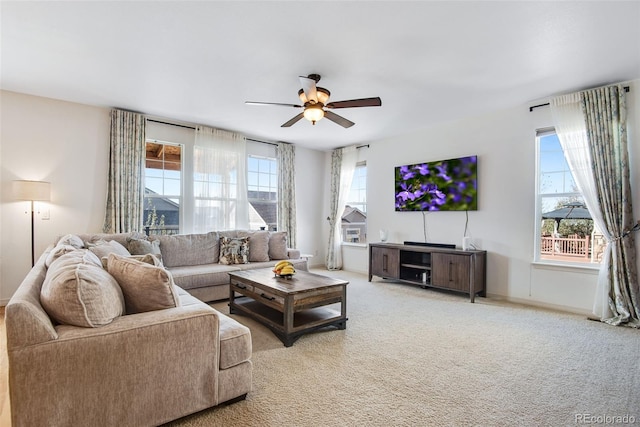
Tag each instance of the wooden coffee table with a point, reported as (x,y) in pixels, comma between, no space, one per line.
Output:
(289,307)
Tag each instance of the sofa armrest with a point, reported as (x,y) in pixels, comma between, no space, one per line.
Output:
(138,370)
(293,253)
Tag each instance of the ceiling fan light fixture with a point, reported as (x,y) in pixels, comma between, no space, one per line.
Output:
(322,94)
(313,113)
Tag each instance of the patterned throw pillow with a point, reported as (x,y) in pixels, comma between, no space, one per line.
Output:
(234,250)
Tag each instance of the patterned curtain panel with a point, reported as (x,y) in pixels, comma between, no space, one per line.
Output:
(343,165)
(605,114)
(126,171)
(219,181)
(591,126)
(287,191)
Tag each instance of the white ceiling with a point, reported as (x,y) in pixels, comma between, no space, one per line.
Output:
(429,61)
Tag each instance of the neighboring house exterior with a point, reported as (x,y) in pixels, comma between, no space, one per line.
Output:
(354,228)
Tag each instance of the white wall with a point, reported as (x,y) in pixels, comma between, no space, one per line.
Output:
(61,142)
(68,144)
(504,223)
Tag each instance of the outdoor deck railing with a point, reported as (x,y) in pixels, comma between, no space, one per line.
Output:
(162,230)
(574,246)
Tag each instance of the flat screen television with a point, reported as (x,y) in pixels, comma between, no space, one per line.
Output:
(443,185)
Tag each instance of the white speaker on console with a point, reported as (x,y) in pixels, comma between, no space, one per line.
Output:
(466,243)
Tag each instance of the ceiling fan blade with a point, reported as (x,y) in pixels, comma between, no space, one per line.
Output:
(338,119)
(309,88)
(364,102)
(293,121)
(272,103)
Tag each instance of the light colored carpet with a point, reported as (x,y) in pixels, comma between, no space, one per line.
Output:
(416,357)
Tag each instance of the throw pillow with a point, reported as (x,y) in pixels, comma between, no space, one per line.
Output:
(137,246)
(145,287)
(147,259)
(71,240)
(59,250)
(258,245)
(278,245)
(78,292)
(234,250)
(103,248)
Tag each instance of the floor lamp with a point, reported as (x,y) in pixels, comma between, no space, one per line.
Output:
(34,191)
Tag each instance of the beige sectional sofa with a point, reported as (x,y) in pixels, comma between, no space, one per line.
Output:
(98,337)
(194,259)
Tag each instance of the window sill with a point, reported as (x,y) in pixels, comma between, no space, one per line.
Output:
(560,266)
(355,245)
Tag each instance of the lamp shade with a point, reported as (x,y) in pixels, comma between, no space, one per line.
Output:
(32,190)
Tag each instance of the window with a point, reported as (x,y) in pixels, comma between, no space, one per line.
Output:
(163,188)
(564,228)
(262,187)
(354,217)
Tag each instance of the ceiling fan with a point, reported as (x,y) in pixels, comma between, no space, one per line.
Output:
(315,103)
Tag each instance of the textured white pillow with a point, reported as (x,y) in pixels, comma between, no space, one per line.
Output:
(103,248)
(71,240)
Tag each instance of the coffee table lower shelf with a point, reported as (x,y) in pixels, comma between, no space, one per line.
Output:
(304,321)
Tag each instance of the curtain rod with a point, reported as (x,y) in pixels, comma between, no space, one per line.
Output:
(193,127)
(626,89)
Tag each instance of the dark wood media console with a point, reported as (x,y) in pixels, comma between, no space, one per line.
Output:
(434,267)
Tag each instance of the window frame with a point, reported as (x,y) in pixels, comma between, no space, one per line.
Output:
(538,221)
(180,197)
(272,185)
(362,206)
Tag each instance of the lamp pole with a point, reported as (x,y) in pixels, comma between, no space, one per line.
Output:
(33,246)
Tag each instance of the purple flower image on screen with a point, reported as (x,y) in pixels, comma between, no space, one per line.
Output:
(444,185)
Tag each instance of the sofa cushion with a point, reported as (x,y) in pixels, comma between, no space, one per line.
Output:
(235,338)
(235,342)
(200,276)
(234,251)
(145,287)
(278,245)
(258,245)
(77,291)
(102,248)
(189,249)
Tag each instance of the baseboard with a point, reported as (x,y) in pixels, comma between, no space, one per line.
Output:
(539,304)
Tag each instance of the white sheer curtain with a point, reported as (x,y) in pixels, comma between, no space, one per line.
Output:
(571,128)
(219,181)
(343,165)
